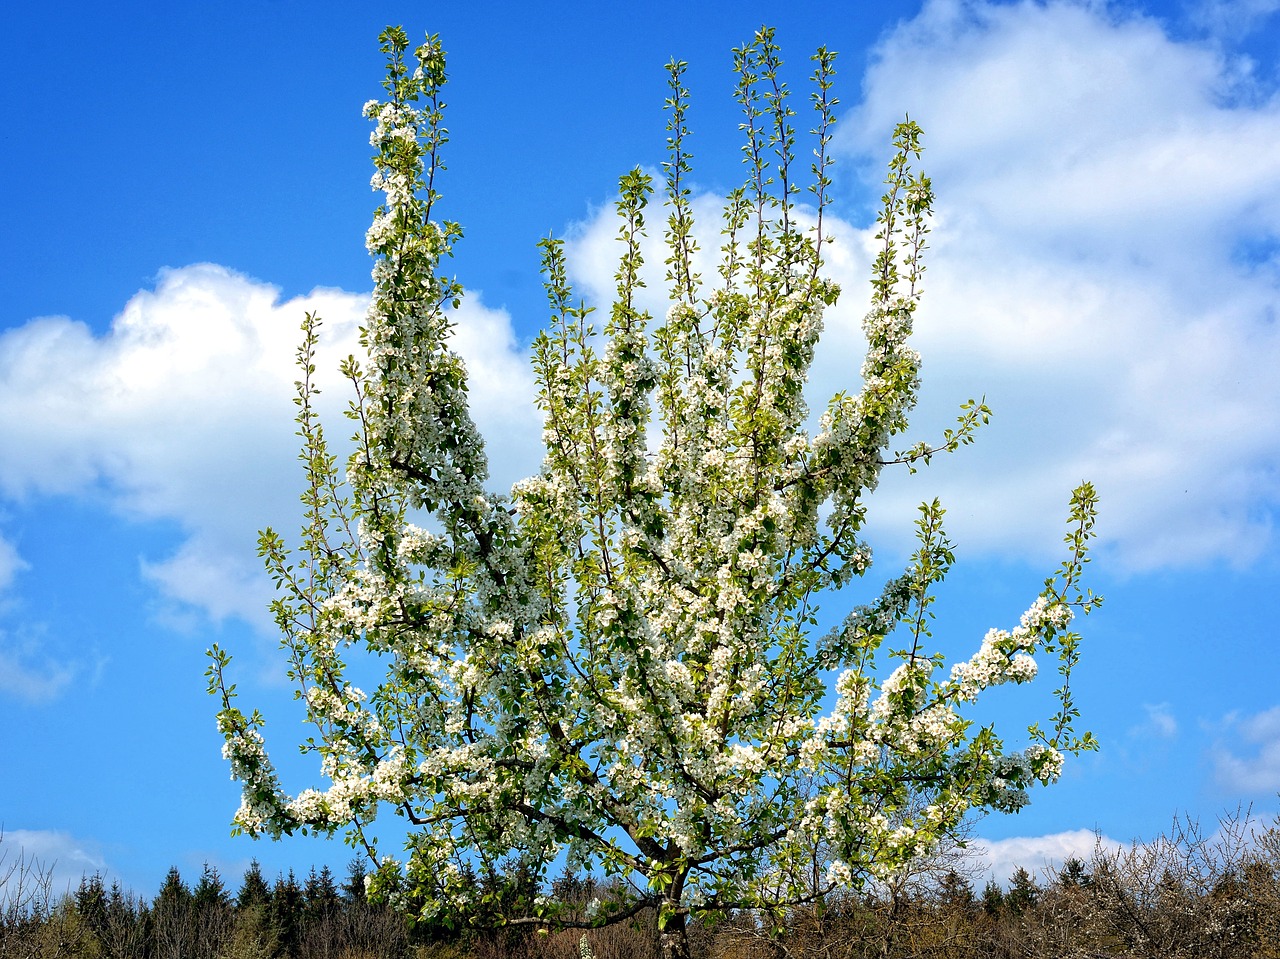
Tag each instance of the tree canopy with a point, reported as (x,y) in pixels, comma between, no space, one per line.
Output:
(619,663)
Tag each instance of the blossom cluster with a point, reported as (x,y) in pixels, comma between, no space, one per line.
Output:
(262,799)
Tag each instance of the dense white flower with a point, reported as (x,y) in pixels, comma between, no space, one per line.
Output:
(839,874)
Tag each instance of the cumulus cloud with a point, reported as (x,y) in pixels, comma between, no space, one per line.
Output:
(1247,757)
(1104,269)
(1038,855)
(202,576)
(182,413)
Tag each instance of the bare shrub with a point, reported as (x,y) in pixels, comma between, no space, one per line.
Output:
(27,904)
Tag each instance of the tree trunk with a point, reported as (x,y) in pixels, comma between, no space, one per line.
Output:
(675,938)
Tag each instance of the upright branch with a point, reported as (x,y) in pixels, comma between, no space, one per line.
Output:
(824,104)
(680,241)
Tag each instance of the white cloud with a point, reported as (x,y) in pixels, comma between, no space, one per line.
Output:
(182,412)
(1247,758)
(35,858)
(1096,183)
(1160,723)
(29,672)
(217,581)
(10,563)
(1039,855)
(1232,19)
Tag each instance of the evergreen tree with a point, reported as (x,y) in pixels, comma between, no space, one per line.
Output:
(353,888)
(210,892)
(320,894)
(173,891)
(1073,873)
(127,927)
(254,890)
(992,898)
(253,935)
(955,891)
(172,926)
(285,913)
(91,904)
(213,914)
(1023,892)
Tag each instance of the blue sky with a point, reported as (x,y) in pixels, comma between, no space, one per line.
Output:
(180,186)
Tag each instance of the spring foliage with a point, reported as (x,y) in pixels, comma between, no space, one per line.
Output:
(619,662)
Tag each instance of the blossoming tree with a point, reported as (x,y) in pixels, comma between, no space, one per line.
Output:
(618,665)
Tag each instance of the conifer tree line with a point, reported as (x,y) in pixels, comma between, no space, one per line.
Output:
(1193,893)
(317,916)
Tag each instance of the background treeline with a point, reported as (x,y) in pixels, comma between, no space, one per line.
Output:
(1187,894)
(315,917)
